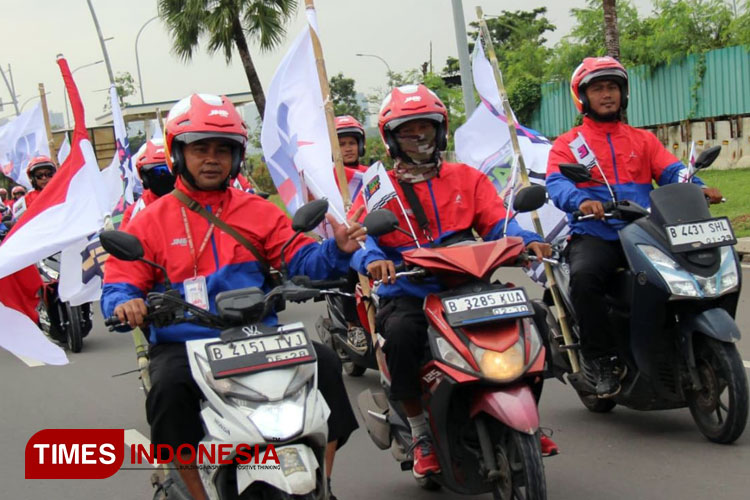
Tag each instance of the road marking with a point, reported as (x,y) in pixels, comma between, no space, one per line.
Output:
(29,362)
(134,437)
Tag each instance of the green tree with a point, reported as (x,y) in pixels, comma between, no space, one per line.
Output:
(739,29)
(227,24)
(125,87)
(345,97)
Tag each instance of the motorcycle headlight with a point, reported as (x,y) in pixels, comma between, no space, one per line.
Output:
(283,419)
(230,388)
(451,356)
(685,284)
(501,366)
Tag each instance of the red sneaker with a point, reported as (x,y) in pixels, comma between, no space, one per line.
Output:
(549,447)
(425,460)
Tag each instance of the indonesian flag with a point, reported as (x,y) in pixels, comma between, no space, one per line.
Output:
(69,209)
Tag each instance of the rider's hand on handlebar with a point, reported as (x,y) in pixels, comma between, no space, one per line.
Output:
(132,312)
(713,195)
(382,270)
(539,249)
(348,238)
(594,207)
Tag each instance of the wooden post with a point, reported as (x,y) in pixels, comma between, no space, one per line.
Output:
(325,90)
(490,50)
(48,128)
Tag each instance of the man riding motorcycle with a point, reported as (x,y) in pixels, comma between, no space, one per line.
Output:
(351,136)
(40,171)
(16,194)
(455,198)
(627,159)
(158,180)
(205,144)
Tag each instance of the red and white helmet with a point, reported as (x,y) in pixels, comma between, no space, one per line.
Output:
(411,102)
(203,116)
(597,68)
(151,153)
(17,190)
(347,125)
(38,163)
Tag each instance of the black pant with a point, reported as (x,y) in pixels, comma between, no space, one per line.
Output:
(593,263)
(173,403)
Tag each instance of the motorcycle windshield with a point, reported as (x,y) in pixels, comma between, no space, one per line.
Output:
(678,203)
(478,259)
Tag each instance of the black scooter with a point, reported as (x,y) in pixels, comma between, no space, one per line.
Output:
(63,322)
(672,310)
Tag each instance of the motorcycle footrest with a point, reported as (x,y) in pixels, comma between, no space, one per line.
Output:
(407,465)
(567,347)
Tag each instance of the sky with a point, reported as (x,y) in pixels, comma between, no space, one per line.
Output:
(33,32)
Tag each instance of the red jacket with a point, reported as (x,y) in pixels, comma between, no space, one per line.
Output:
(225,263)
(145,200)
(631,160)
(461,198)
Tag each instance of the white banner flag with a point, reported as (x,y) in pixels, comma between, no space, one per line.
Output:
(294,136)
(20,140)
(64,151)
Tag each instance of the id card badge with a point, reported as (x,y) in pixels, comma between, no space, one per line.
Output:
(196,292)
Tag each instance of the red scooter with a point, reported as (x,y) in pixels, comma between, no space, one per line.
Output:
(486,359)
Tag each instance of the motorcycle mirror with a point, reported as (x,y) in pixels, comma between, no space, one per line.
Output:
(310,215)
(707,157)
(575,172)
(122,245)
(380,222)
(530,198)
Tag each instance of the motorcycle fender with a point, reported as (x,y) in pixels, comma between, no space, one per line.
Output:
(294,474)
(513,406)
(715,323)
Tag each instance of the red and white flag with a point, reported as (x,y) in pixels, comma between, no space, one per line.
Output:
(69,209)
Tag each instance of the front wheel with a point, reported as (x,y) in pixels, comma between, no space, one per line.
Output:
(720,408)
(519,460)
(74,331)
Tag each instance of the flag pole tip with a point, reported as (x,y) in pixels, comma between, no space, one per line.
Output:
(59,56)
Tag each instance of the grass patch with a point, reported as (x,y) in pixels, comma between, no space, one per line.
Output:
(735,186)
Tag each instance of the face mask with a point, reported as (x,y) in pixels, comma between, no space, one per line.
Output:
(158,179)
(420,148)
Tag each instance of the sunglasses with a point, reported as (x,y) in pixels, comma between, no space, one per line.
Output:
(157,170)
(17,195)
(43,175)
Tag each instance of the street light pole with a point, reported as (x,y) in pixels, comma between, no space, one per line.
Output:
(32,98)
(65,90)
(137,61)
(464,63)
(377,57)
(102,43)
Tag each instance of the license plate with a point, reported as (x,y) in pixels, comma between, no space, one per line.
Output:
(259,352)
(698,235)
(487,306)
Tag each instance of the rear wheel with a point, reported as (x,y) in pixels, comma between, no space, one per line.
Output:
(73,330)
(519,460)
(720,408)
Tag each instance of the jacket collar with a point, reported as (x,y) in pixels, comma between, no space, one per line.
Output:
(606,127)
(205,198)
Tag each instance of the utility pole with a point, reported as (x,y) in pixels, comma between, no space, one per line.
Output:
(102,43)
(467,82)
(11,88)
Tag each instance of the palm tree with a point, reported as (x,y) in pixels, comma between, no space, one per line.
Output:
(227,23)
(611,34)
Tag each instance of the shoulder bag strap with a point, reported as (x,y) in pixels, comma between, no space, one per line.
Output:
(416,207)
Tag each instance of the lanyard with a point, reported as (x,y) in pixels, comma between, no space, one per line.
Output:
(189,234)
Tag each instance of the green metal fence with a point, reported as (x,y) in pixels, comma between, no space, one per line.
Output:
(666,94)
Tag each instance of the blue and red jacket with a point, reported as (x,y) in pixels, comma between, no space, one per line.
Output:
(461,198)
(630,158)
(225,263)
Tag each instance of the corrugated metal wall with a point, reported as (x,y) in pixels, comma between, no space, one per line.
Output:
(663,95)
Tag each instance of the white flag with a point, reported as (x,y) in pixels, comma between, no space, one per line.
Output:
(157,133)
(64,150)
(377,187)
(20,140)
(687,173)
(484,143)
(294,136)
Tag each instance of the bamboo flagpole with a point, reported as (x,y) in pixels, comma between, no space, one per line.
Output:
(490,50)
(325,90)
(47,126)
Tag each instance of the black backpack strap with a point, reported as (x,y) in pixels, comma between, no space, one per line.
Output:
(416,207)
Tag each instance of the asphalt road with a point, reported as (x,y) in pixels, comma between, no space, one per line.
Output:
(622,455)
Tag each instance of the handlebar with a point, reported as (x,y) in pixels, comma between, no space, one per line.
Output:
(415,272)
